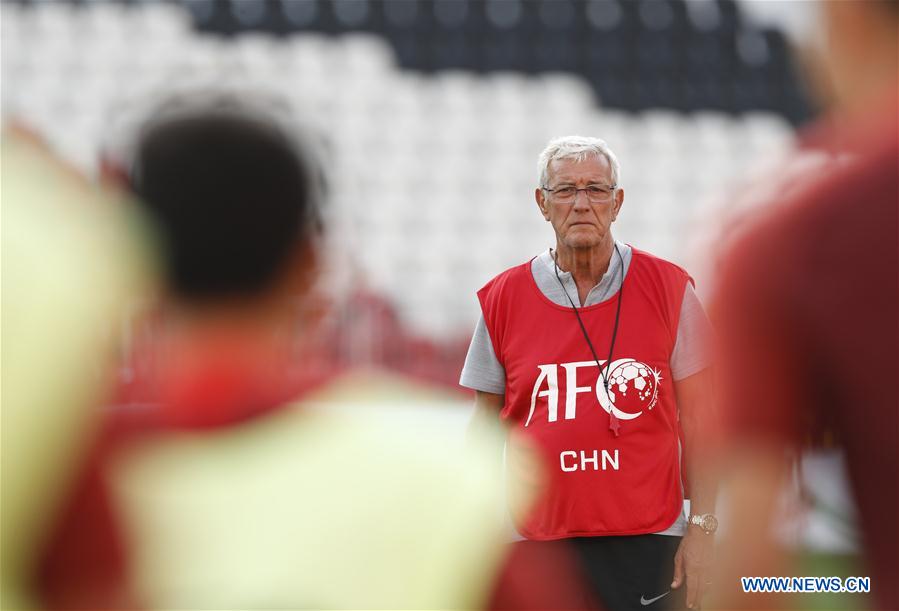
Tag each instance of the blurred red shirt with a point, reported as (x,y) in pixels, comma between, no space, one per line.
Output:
(809,322)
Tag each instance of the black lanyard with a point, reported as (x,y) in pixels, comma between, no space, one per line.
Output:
(613,420)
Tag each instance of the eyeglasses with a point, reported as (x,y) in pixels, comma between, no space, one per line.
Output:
(596,194)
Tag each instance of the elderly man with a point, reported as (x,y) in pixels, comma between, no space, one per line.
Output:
(595,352)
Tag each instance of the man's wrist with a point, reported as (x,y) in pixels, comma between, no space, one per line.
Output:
(705,522)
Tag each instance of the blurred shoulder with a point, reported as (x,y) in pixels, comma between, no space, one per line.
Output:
(657,264)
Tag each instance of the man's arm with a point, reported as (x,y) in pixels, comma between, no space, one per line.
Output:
(696,403)
(487,404)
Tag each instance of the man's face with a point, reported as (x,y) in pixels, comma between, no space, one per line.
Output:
(581,223)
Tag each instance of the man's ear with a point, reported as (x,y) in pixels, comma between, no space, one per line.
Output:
(300,284)
(304,267)
(619,200)
(542,204)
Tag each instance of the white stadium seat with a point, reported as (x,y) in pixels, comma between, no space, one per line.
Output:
(432,177)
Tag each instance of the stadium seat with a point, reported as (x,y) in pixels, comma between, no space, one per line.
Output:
(432,172)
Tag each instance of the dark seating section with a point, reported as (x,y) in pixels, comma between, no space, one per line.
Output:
(638,54)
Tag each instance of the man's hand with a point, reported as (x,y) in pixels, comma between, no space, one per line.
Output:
(693,565)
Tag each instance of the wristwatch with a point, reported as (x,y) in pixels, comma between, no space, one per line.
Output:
(706,521)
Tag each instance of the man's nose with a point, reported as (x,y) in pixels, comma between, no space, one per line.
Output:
(581,201)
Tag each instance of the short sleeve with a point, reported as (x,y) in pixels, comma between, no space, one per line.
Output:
(693,347)
(482,370)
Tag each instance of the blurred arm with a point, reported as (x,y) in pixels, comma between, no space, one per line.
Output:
(756,475)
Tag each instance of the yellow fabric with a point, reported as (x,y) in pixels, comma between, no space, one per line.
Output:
(364,497)
(71,259)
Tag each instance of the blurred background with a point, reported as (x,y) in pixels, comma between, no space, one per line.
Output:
(429,115)
(432,113)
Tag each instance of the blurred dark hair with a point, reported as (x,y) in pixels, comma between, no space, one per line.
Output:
(233,197)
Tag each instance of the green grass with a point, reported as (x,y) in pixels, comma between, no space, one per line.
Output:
(825,565)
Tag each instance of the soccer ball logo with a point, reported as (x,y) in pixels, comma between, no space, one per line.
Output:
(633,386)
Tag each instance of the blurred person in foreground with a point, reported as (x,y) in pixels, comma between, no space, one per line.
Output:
(596,352)
(809,318)
(73,258)
(240,488)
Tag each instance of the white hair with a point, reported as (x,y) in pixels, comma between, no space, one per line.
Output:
(578,148)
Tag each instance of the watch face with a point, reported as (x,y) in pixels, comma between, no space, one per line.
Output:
(709,523)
